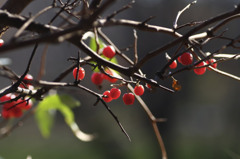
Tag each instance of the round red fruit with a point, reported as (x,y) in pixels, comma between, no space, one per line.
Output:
(16,112)
(107,97)
(148,86)
(109,51)
(25,105)
(179,59)
(212,63)
(128,98)
(11,110)
(139,90)
(97,78)
(186,58)
(1,42)
(28,77)
(81,73)
(6,97)
(173,65)
(115,93)
(6,114)
(201,70)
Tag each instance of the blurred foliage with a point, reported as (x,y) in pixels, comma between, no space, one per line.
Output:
(46,111)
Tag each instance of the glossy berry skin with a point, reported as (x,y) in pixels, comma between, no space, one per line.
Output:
(212,64)
(173,65)
(115,93)
(6,97)
(97,78)
(200,71)
(81,73)
(108,98)
(28,77)
(128,98)
(186,58)
(109,51)
(148,86)
(106,77)
(1,42)
(179,59)
(139,90)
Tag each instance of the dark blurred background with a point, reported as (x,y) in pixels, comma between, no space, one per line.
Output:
(203,118)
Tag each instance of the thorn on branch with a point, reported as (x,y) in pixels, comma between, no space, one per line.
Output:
(147,20)
(116,119)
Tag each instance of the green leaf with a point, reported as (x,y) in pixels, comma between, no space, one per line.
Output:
(46,111)
(93,44)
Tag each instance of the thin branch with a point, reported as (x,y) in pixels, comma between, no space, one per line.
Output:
(225,74)
(186,36)
(116,119)
(42,63)
(29,21)
(129,5)
(135,47)
(14,87)
(153,121)
(180,12)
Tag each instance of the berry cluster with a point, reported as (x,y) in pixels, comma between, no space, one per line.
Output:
(187,59)
(97,78)
(13,107)
(128,98)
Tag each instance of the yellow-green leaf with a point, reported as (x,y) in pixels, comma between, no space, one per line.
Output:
(46,111)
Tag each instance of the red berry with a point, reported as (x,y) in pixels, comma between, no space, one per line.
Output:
(16,112)
(115,93)
(173,65)
(11,110)
(109,51)
(1,42)
(200,71)
(128,98)
(106,77)
(139,90)
(25,105)
(148,86)
(26,78)
(179,59)
(186,58)
(211,62)
(81,73)
(6,97)
(108,97)
(97,78)
(6,114)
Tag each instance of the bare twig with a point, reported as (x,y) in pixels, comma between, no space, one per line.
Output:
(180,12)
(129,5)
(135,47)
(29,21)
(153,121)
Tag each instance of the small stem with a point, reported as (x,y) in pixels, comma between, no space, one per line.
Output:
(135,46)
